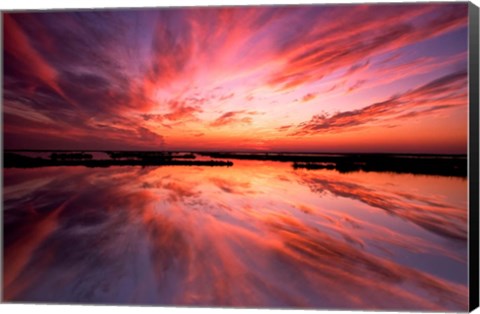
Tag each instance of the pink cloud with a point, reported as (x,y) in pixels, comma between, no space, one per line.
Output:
(440,94)
(370,33)
(234,117)
(154,71)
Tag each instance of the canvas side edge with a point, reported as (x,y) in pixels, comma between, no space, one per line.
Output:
(473,157)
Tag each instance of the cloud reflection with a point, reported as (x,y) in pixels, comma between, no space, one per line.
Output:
(269,237)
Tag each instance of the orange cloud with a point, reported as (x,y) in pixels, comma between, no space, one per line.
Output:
(308,97)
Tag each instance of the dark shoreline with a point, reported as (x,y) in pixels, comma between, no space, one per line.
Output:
(444,165)
(12,160)
(426,164)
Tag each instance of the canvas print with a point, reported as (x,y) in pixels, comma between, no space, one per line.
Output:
(301,156)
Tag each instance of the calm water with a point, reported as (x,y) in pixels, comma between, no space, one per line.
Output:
(258,234)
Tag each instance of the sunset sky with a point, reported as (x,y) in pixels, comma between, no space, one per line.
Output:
(336,78)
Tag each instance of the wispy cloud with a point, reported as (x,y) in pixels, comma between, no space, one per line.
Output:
(370,31)
(440,94)
(234,117)
(151,76)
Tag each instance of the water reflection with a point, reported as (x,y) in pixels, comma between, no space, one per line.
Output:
(257,234)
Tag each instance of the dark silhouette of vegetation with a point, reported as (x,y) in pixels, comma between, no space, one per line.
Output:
(139,155)
(312,165)
(445,165)
(13,160)
(185,156)
(455,167)
(149,155)
(274,157)
(70,156)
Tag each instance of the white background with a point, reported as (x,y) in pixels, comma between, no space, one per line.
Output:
(70,309)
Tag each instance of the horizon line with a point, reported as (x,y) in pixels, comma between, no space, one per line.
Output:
(231,151)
